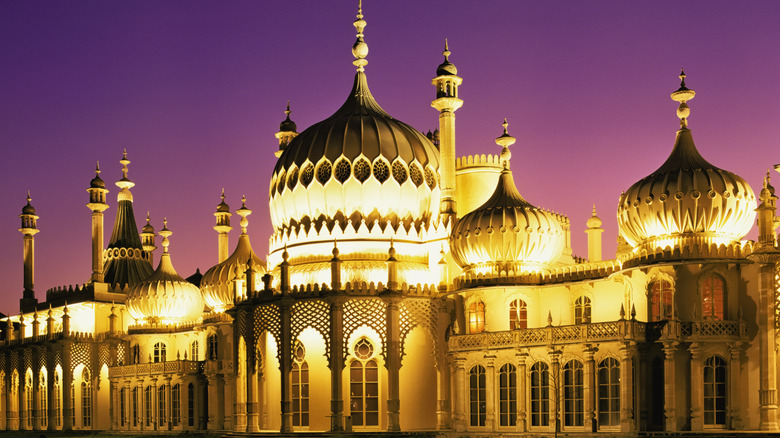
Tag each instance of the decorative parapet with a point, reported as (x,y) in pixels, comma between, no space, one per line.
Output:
(483,160)
(350,289)
(218,367)
(81,292)
(561,274)
(162,328)
(695,248)
(177,367)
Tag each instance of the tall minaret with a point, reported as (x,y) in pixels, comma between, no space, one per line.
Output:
(147,239)
(447,102)
(29,229)
(223,228)
(97,204)
(286,132)
(594,236)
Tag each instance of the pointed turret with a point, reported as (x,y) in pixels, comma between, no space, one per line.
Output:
(287,132)
(126,262)
(594,236)
(29,229)
(97,204)
(223,228)
(147,239)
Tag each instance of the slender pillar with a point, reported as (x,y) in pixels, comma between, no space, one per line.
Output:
(97,204)
(697,386)
(67,381)
(393,365)
(336,365)
(213,405)
(490,392)
(460,395)
(286,363)
(522,384)
(251,375)
(627,404)
(670,385)
(29,229)
(444,397)
(734,401)
(116,406)
(222,228)
(594,237)
(589,400)
(128,406)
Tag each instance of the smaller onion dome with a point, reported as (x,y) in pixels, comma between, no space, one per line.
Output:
(507,233)
(164,297)
(97,182)
(446,68)
(222,207)
(219,282)
(148,228)
(287,125)
(28,209)
(593,221)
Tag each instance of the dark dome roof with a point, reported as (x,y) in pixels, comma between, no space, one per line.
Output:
(446,68)
(97,183)
(288,125)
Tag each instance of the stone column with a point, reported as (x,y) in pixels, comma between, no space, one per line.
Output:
(767,365)
(734,402)
(393,365)
(67,381)
(251,392)
(215,402)
(169,404)
(285,365)
(490,392)
(627,417)
(34,392)
(557,388)
(141,404)
(128,405)
(443,414)
(591,390)
(459,394)
(522,386)
(697,386)
(670,385)
(336,365)
(228,391)
(114,396)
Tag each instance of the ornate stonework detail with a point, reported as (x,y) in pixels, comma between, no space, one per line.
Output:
(120,354)
(368,312)
(80,353)
(104,356)
(422,313)
(314,314)
(267,318)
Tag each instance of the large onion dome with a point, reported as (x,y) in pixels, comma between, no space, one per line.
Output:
(223,282)
(687,200)
(164,297)
(507,233)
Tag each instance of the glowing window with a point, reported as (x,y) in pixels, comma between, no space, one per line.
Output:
(57,399)
(307,175)
(477,396)
(43,400)
(292,178)
(134,406)
(342,171)
(364,349)
(175,405)
(194,347)
(715,391)
(161,411)
(364,386)
(27,406)
(86,399)
(190,405)
(582,310)
(299,378)
(381,171)
(323,172)
(415,175)
(149,410)
(477,317)
(507,395)
(159,352)
(518,315)
(540,394)
(609,392)
(399,172)
(712,295)
(660,300)
(573,393)
(362,170)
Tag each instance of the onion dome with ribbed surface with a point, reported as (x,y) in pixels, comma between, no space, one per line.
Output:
(164,297)
(221,283)
(507,233)
(687,200)
(124,259)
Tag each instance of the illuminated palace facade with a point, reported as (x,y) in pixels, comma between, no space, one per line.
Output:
(409,289)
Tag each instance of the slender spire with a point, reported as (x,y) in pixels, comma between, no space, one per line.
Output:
(505,140)
(683,95)
(243,212)
(446,51)
(360,48)
(165,233)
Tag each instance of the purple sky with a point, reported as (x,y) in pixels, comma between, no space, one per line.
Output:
(195,91)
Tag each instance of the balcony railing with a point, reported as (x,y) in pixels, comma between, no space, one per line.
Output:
(178,367)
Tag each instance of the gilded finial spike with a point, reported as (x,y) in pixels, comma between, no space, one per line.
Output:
(223,194)
(360,48)
(97,167)
(147,218)
(243,201)
(446,51)
(594,210)
(287,111)
(28,196)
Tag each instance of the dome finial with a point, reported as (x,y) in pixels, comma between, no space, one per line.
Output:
(243,212)
(165,233)
(446,51)
(505,140)
(683,95)
(287,111)
(97,168)
(360,48)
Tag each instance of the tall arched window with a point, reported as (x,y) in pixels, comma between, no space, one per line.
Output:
(175,405)
(477,396)
(540,394)
(715,391)
(518,315)
(159,352)
(364,385)
(43,399)
(134,405)
(299,378)
(477,317)
(86,399)
(573,393)
(162,412)
(507,395)
(191,405)
(582,310)
(27,413)
(194,347)
(712,297)
(213,347)
(122,406)
(660,300)
(135,354)
(609,392)
(148,404)
(57,397)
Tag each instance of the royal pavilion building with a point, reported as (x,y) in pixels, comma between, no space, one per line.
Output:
(397,295)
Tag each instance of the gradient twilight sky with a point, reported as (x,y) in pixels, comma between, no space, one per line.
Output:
(195,91)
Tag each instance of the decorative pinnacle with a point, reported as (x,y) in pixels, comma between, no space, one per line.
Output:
(28,197)
(243,212)
(446,51)
(97,168)
(287,111)
(125,182)
(335,249)
(165,232)
(683,95)
(360,48)
(505,140)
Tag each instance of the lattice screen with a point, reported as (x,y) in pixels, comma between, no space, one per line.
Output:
(81,353)
(369,312)
(416,312)
(104,356)
(267,318)
(314,314)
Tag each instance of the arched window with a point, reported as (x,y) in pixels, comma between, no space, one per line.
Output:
(162,413)
(86,399)
(3,397)
(518,315)
(194,347)
(540,394)
(712,297)
(43,399)
(190,405)
(135,354)
(660,300)
(477,396)
(715,391)
(300,387)
(582,310)
(477,317)
(148,404)
(609,392)
(159,352)
(573,393)
(134,405)
(364,385)
(57,398)
(507,395)
(27,413)
(122,406)
(175,405)
(213,347)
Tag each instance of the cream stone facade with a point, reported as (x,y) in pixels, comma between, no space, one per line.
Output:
(400,295)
